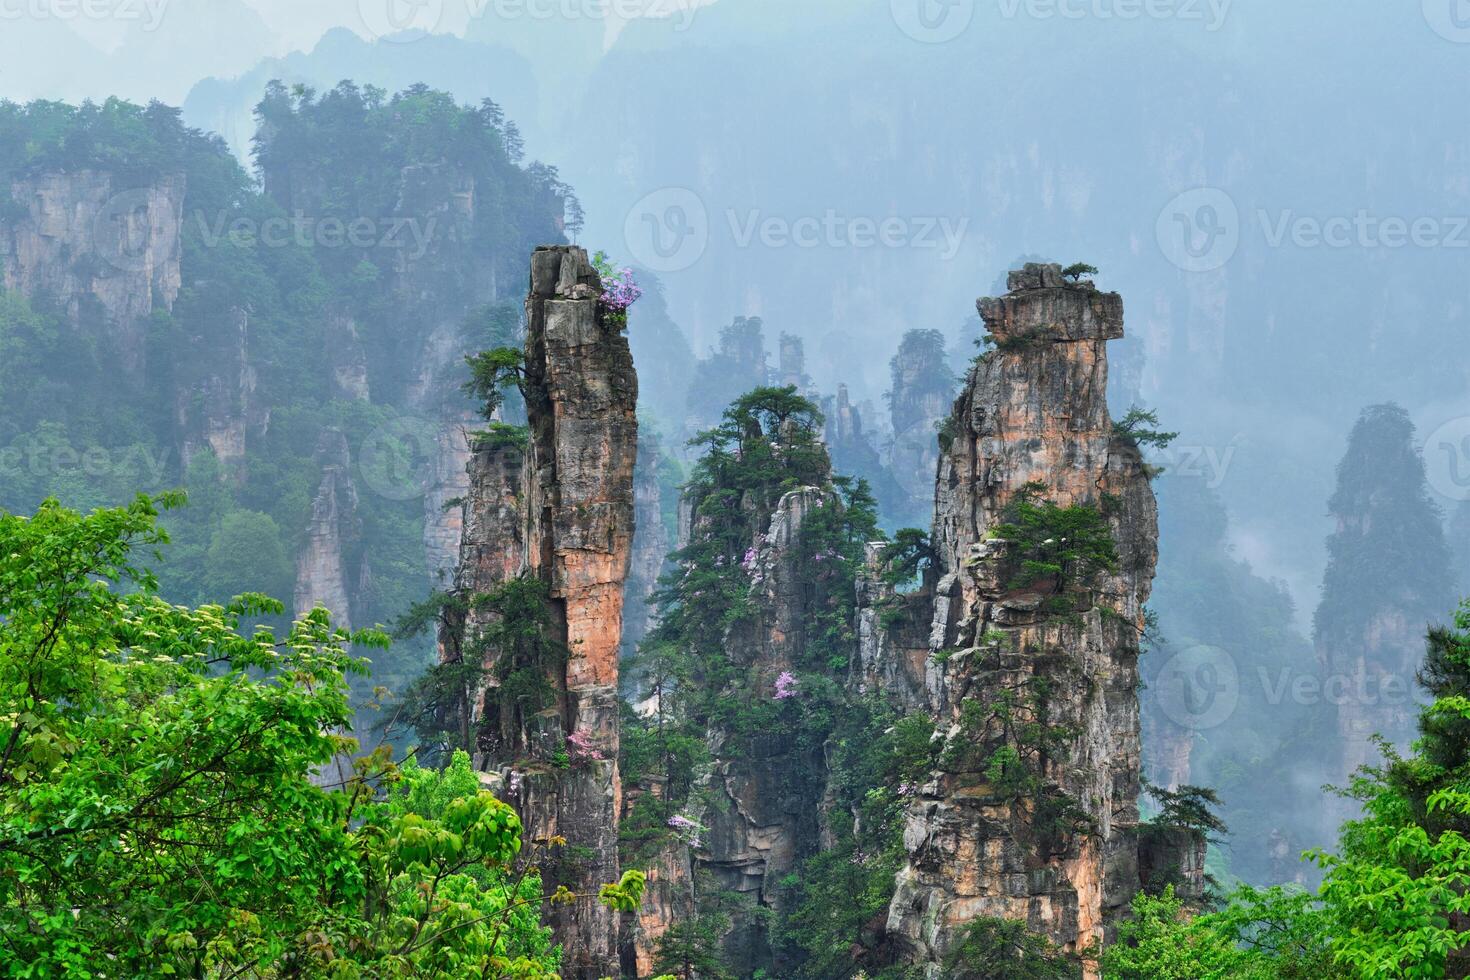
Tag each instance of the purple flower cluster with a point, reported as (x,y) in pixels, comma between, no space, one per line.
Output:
(582,749)
(748,562)
(620,290)
(686,826)
(786,685)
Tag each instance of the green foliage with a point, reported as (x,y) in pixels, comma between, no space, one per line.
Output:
(1189,808)
(501,435)
(877,760)
(515,638)
(690,948)
(157,814)
(492,373)
(1271,934)
(994,948)
(1395,898)
(1141,425)
(1398,891)
(245,552)
(1005,742)
(906,557)
(1077,270)
(1060,545)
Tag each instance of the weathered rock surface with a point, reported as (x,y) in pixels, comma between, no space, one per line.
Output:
(921,396)
(767,812)
(1388,578)
(1033,411)
(651,545)
(322,573)
(564,513)
(218,410)
(85,238)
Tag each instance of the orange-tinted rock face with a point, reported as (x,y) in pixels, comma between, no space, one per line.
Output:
(1034,412)
(562,512)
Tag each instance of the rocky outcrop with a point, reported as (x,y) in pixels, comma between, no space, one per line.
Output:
(346,357)
(791,361)
(1388,578)
(766,787)
(1040,828)
(562,513)
(323,576)
(217,411)
(651,545)
(854,452)
(88,241)
(1173,856)
(920,398)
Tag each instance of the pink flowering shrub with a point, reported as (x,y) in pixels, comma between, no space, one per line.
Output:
(786,685)
(582,748)
(688,829)
(748,562)
(619,288)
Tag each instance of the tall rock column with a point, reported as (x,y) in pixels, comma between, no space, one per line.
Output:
(1388,578)
(562,512)
(922,391)
(1031,811)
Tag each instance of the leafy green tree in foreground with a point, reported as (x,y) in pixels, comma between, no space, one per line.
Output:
(1395,900)
(157,815)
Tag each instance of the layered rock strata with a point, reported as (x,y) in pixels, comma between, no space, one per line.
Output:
(561,512)
(1007,656)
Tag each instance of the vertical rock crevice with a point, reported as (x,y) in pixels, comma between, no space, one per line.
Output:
(1012,824)
(560,512)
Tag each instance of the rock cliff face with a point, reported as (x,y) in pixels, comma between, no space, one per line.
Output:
(921,395)
(562,513)
(766,814)
(323,575)
(651,545)
(218,410)
(1388,577)
(86,240)
(1039,829)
